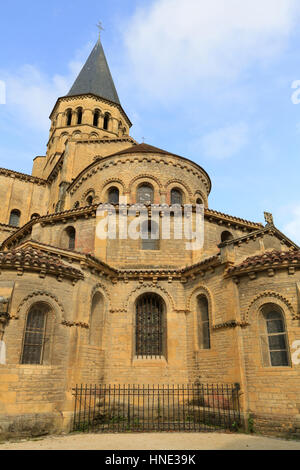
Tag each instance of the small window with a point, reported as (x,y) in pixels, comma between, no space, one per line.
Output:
(203,323)
(150,235)
(69,238)
(176,196)
(14,219)
(79,116)
(199,201)
(96,118)
(35,216)
(90,200)
(76,205)
(273,337)
(145,194)
(69,118)
(34,337)
(106,121)
(113,196)
(226,236)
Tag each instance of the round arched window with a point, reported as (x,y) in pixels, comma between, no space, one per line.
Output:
(150,325)
(145,194)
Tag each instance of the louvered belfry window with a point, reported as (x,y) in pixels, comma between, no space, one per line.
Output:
(150,328)
(34,338)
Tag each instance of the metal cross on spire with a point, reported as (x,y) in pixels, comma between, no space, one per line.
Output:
(99,26)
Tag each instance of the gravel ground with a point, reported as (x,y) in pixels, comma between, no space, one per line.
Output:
(157,441)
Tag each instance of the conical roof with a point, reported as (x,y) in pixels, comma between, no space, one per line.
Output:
(95,77)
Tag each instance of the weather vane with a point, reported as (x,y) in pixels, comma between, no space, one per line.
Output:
(99,26)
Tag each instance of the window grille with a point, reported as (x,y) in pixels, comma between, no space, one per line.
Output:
(34,338)
(113,196)
(145,194)
(273,338)
(176,196)
(150,329)
(14,219)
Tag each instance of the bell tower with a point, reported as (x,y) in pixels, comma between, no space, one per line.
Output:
(91,110)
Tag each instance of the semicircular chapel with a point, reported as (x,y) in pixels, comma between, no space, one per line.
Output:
(135,310)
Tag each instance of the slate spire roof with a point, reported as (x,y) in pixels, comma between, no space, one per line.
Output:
(95,77)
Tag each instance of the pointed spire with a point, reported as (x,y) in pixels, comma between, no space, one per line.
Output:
(95,77)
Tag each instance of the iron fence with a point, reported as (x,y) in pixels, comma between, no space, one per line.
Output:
(149,408)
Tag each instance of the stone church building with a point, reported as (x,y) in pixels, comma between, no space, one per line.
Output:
(76,309)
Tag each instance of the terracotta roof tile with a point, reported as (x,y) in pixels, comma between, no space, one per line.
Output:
(268,259)
(32,258)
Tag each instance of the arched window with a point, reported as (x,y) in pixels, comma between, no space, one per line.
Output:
(199,201)
(226,236)
(68,239)
(69,117)
(150,235)
(35,216)
(273,337)
(14,219)
(96,118)
(90,200)
(79,116)
(113,196)
(97,320)
(176,196)
(150,326)
(203,323)
(106,121)
(145,194)
(34,337)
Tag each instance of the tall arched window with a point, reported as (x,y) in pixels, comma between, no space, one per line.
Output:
(150,235)
(150,333)
(203,323)
(273,337)
(145,194)
(96,118)
(14,219)
(113,196)
(79,116)
(34,337)
(69,117)
(176,196)
(97,320)
(106,121)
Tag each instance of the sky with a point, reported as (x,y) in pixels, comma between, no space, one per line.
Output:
(215,81)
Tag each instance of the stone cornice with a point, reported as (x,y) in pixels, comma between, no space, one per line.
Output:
(255,235)
(23,177)
(112,160)
(231,221)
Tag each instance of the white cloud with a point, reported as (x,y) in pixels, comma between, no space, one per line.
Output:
(225,142)
(31,94)
(175,44)
(292,228)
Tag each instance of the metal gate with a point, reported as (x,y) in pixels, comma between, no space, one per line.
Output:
(149,408)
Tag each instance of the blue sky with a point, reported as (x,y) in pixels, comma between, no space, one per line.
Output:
(211,81)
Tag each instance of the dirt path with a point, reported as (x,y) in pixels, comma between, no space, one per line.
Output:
(166,441)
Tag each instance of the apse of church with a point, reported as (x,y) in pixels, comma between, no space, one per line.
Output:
(76,308)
